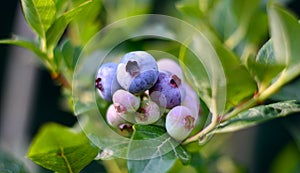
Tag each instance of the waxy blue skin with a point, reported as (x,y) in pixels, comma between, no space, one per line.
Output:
(106,81)
(170,65)
(168,91)
(143,81)
(137,72)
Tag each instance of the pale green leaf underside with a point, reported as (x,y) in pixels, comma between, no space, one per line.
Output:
(258,115)
(264,67)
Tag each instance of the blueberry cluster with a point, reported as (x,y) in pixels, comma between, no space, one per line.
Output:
(144,91)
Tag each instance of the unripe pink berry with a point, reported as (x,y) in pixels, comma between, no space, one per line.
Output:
(113,118)
(180,122)
(148,113)
(125,102)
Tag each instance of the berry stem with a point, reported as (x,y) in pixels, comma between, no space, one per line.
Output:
(206,130)
(60,78)
(250,103)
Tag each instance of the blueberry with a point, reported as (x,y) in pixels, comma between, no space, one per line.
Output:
(106,80)
(171,66)
(168,91)
(126,104)
(191,100)
(180,122)
(137,71)
(148,112)
(113,118)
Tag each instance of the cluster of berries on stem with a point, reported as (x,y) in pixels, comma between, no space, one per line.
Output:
(144,91)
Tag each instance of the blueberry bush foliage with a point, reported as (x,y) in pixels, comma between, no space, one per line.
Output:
(256,44)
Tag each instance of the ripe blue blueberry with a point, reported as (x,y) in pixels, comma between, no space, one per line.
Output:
(137,71)
(148,113)
(168,91)
(106,80)
(180,122)
(170,65)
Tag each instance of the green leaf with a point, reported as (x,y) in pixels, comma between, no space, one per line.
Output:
(222,19)
(118,9)
(258,115)
(243,10)
(198,13)
(87,24)
(10,164)
(28,44)
(285,32)
(197,164)
(159,164)
(61,6)
(257,30)
(39,14)
(190,8)
(252,26)
(60,149)
(55,32)
(239,83)
(163,162)
(265,68)
(70,54)
(195,74)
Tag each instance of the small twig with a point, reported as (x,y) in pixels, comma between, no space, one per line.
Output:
(206,130)
(111,166)
(250,103)
(60,78)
